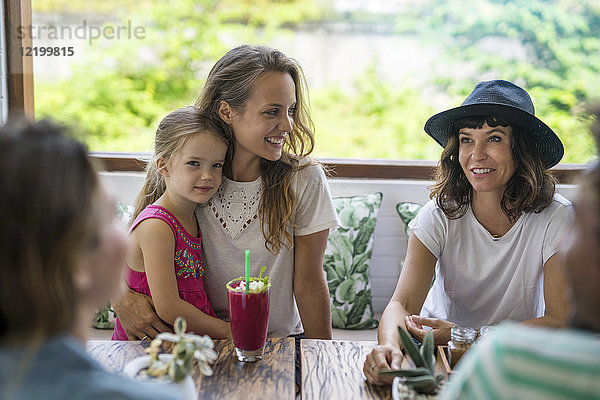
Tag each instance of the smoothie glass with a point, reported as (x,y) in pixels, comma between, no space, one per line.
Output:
(249,319)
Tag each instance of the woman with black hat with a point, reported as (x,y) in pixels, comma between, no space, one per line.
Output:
(490,232)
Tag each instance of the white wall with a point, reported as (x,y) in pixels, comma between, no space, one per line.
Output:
(389,247)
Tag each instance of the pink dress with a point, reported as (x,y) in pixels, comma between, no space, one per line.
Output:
(187,260)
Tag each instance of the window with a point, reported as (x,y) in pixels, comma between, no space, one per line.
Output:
(377,70)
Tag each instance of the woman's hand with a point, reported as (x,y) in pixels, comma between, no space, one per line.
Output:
(440,328)
(138,317)
(382,357)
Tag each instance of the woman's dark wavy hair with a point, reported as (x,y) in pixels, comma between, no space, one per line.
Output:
(530,189)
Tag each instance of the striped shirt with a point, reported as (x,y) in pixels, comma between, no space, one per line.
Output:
(520,362)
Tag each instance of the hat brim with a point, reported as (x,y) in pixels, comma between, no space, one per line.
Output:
(549,146)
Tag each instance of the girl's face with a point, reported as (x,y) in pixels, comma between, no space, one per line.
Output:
(485,156)
(267,118)
(195,172)
(105,260)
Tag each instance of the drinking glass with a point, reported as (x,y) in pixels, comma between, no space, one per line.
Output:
(249,319)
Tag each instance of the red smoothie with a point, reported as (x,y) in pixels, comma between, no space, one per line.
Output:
(249,317)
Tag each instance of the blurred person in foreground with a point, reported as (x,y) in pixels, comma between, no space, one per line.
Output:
(520,362)
(62,254)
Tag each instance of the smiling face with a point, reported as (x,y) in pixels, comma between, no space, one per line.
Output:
(268,116)
(194,174)
(485,156)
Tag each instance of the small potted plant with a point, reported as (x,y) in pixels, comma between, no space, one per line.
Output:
(420,382)
(176,368)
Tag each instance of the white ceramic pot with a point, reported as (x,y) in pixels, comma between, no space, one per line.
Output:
(186,387)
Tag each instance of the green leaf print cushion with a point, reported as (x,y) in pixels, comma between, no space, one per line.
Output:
(346,262)
(407,211)
(124,212)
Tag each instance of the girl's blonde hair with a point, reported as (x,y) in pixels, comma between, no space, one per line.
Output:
(172,133)
(232,80)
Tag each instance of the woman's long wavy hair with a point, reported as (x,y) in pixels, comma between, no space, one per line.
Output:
(48,210)
(232,80)
(172,133)
(530,189)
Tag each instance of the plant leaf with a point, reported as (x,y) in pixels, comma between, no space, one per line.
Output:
(356,313)
(338,318)
(405,372)
(180,326)
(426,384)
(363,237)
(177,371)
(346,291)
(168,336)
(427,351)
(411,348)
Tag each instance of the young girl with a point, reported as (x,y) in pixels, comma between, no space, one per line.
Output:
(274,200)
(166,262)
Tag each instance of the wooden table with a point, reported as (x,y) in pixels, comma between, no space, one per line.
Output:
(271,378)
(332,369)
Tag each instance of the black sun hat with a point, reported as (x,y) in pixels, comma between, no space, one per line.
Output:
(503,100)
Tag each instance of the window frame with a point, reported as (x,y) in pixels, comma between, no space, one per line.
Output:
(19,70)
(339,167)
(17,13)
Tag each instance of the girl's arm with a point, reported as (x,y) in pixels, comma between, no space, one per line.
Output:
(555,290)
(408,298)
(310,286)
(157,244)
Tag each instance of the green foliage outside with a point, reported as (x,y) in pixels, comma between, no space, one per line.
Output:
(117,98)
(562,41)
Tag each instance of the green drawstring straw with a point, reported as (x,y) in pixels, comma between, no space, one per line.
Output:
(247,271)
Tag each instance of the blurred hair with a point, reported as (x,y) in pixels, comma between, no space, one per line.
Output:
(48,221)
(172,134)
(530,189)
(589,181)
(232,80)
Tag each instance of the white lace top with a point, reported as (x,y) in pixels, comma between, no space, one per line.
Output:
(230,224)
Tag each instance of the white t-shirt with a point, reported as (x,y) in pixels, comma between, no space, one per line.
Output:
(482,280)
(230,224)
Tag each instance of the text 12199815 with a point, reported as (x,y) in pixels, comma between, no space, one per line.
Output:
(47,51)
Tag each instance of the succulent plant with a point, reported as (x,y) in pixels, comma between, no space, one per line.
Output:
(187,347)
(422,378)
